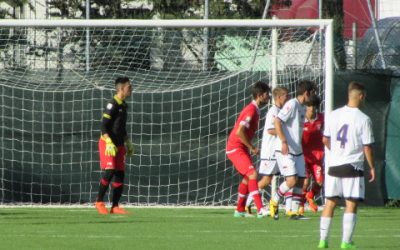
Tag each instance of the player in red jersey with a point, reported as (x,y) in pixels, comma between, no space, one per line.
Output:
(313,150)
(239,147)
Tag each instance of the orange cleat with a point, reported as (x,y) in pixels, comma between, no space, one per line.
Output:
(311,202)
(101,207)
(118,210)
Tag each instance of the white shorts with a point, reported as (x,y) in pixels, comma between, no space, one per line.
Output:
(290,165)
(268,167)
(348,188)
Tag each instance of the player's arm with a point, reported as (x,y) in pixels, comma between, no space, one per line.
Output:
(327,142)
(106,123)
(271,131)
(240,132)
(281,135)
(369,155)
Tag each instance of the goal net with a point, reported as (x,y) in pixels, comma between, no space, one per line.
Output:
(190,80)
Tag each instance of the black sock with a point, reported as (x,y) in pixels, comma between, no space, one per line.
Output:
(104,183)
(118,186)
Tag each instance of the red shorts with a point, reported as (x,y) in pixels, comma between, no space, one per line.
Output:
(116,162)
(241,161)
(314,165)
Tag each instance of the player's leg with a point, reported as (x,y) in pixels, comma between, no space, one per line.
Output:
(262,183)
(318,177)
(349,223)
(107,175)
(266,170)
(298,187)
(288,202)
(306,183)
(118,183)
(287,168)
(333,190)
(353,191)
(254,192)
(243,192)
(107,164)
(241,160)
(326,221)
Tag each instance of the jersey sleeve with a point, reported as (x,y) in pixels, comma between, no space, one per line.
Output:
(367,136)
(108,113)
(287,111)
(246,117)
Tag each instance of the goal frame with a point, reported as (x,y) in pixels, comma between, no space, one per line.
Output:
(325,25)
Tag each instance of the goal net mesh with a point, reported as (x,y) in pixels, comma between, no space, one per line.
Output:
(188,89)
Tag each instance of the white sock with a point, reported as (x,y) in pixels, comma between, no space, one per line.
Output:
(283,188)
(349,223)
(249,200)
(324,227)
(297,192)
(288,203)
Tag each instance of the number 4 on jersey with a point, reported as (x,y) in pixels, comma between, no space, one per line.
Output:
(342,135)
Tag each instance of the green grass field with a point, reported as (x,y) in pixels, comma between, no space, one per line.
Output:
(184,228)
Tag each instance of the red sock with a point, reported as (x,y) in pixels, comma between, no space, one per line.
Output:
(243,192)
(253,189)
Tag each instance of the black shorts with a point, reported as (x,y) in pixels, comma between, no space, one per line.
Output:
(346,170)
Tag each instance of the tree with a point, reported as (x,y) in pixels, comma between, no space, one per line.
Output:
(334,9)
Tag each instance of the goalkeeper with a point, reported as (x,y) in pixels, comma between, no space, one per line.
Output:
(113,146)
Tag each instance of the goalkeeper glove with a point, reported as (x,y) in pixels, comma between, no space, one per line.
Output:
(129,147)
(111,149)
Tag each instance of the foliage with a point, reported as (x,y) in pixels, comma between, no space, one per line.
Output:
(334,10)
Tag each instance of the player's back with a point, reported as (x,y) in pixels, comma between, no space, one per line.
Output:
(292,114)
(268,140)
(349,130)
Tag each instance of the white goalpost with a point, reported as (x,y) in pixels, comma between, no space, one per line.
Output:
(52,93)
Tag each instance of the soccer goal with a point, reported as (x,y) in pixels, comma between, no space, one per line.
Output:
(190,79)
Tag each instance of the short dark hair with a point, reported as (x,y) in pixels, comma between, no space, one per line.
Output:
(121,80)
(305,85)
(356,86)
(314,101)
(259,88)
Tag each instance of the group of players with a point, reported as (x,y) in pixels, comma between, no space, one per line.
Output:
(292,139)
(293,143)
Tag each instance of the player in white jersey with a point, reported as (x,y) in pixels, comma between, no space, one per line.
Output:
(289,153)
(268,166)
(348,134)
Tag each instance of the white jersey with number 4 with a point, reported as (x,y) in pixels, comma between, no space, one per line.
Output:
(349,129)
(292,116)
(268,140)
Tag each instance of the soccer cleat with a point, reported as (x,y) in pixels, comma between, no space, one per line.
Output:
(312,204)
(296,216)
(346,245)
(262,213)
(101,207)
(238,214)
(273,209)
(323,244)
(118,210)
